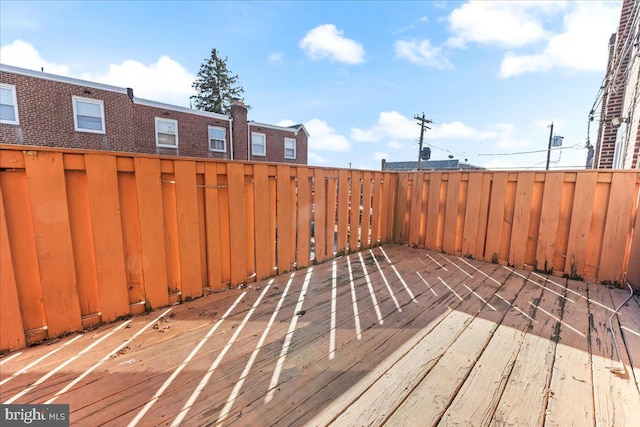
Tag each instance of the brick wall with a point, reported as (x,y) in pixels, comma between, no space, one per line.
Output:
(193,133)
(612,100)
(45,111)
(275,144)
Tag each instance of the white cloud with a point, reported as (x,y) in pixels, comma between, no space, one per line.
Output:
(379,155)
(580,47)
(166,80)
(421,53)
(275,58)
(326,41)
(286,123)
(458,130)
(504,23)
(395,145)
(323,137)
(316,159)
(20,53)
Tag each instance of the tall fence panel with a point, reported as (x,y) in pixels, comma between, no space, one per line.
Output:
(88,237)
(582,224)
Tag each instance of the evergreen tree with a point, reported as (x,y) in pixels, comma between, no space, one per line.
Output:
(216,87)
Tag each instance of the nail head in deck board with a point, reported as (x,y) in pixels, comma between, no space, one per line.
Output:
(106,222)
(616,399)
(617,229)
(580,222)
(261,199)
(570,399)
(151,220)
(45,176)
(283,219)
(12,336)
(549,220)
(305,205)
(188,228)
(22,242)
(521,216)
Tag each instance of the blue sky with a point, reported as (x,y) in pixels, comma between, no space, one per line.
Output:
(491,75)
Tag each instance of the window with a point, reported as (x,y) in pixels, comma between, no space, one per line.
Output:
(88,115)
(8,105)
(258,144)
(166,133)
(289,148)
(216,139)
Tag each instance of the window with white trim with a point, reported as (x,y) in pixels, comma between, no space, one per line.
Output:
(289,148)
(166,133)
(8,105)
(217,139)
(88,114)
(258,144)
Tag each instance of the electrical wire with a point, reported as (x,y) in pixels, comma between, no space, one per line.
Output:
(574,146)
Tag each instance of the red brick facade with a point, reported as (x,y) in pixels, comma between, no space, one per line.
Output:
(614,91)
(46,118)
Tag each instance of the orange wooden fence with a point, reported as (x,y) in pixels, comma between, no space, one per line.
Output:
(583,223)
(87,237)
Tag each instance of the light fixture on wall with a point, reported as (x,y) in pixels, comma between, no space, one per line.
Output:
(87,92)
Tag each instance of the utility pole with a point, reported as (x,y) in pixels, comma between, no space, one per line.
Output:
(423,124)
(549,149)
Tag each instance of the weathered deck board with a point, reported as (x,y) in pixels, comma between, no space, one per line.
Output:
(570,400)
(466,350)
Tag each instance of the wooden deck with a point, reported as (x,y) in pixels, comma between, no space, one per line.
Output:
(393,336)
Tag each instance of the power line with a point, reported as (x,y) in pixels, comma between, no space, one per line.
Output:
(528,152)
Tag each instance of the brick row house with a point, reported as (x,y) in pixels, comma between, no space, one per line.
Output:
(42,109)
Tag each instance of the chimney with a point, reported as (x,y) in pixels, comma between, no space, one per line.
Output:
(240,130)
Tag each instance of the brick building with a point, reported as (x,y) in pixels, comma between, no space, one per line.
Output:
(44,109)
(618,145)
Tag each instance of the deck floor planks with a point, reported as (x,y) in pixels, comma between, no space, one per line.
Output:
(529,378)
(316,304)
(428,400)
(469,382)
(615,395)
(570,400)
(310,370)
(630,325)
(99,385)
(481,392)
(354,360)
(381,399)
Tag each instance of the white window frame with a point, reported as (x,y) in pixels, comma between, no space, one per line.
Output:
(224,139)
(12,89)
(175,123)
(291,140)
(264,144)
(98,102)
